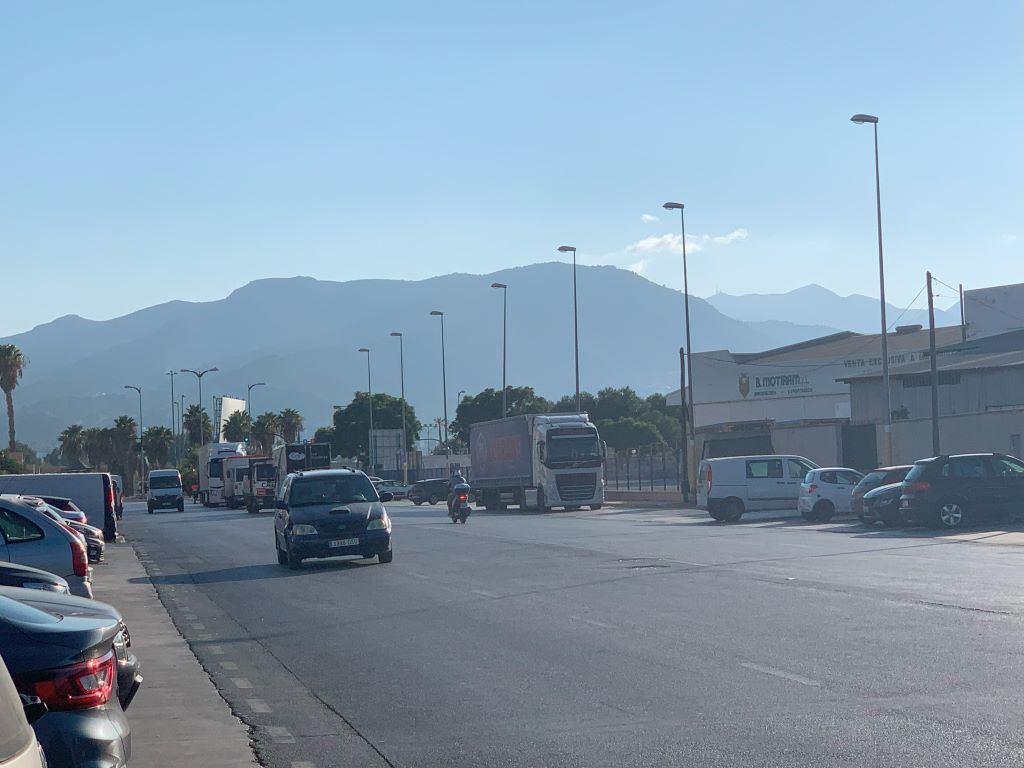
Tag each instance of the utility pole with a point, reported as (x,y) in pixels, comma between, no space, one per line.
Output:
(684,415)
(935,369)
(963,315)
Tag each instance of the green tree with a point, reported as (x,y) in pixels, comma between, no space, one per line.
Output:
(196,419)
(9,466)
(12,368)
(97,447)
(72,443)
(156,443)
(291,424)
(324,435)
(352,423)
(187,467)
(486,405)
(264,429)
(627,432)
(567,404)
(237,427)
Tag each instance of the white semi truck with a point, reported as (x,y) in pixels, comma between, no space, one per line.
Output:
(211,479)
(538,461)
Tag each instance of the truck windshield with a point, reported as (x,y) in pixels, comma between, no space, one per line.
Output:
(215,465)
(573,449)
(165,481)
(264,472)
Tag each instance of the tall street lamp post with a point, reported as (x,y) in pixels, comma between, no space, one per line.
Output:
(401,371)
(369,396)
(873,121)
(248,395)
(575,322)
(199,375)
(142,460)
(444,394)
(174,437)
(504,346)
(686,396)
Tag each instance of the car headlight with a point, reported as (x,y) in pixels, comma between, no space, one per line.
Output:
(303,530)
(379,523)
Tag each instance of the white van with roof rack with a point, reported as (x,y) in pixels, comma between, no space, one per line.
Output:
(730,486)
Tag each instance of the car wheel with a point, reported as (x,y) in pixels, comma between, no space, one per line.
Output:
(181,506)
(823,511)
(293,560)
(733,510)
(386,557)
(595,507)
(150,508)
(716,515)
(282,557)
(433,499)
(951,514)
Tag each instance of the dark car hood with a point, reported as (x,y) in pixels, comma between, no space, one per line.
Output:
(893,489)
(341,514)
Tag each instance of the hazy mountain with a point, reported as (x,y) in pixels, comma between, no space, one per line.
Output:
(300,336)
(813,303)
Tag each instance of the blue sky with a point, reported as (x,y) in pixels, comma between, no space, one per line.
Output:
(153,152)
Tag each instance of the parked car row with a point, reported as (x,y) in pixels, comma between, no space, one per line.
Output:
(68,672)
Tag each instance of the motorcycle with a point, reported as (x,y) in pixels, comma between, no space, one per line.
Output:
(459,509)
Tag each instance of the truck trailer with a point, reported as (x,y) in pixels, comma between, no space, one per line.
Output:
(211,479)
(300,457)
(538,461)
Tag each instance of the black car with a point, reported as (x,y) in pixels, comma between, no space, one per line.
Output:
(428,491)
(882,505)
(876,478)
(331,513)
(67,656)
(17,575)
(952,491)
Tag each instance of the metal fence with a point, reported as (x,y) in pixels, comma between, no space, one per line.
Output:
(644,469)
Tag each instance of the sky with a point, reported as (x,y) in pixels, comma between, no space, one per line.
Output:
(152,152)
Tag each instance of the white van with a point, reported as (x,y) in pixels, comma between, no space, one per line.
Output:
(730,486)
(164,490)
(93,492)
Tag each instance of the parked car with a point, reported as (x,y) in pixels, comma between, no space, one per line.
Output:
(19,747)
(330,513)
(91,537)
(396,488)
(876,478)
(93,492)
(165,490)
(118,496)
(32,538)
(882,505)
(428,491)
(67,508)
(27,577)
(728,487)
(952,491)
(68,659)
(827,492)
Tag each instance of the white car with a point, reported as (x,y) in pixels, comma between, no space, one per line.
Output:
(18,745)
(827,492)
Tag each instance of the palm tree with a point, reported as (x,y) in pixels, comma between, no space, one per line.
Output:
(194,417)
(12,368)
(291,424)
(156,442)
(98,447)
(264,428)
(72,443)
(122,442)
(237,427)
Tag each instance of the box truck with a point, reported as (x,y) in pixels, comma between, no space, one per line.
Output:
(260,484)
(211,479)
(234,470)
(538,461)
(299,457)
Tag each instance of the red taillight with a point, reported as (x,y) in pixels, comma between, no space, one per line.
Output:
(918,486)
(707,479)
(79,556)
(83,685)
(812,488)
(462,497)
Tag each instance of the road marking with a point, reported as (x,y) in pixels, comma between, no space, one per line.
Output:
(482,593)
(204,638)
(592,622)
(302,764)
(280,734)
(417,576)
(216,650)
(230,665)
(198,626)
(258,705)
(189,616)
(241,682)
(780,673)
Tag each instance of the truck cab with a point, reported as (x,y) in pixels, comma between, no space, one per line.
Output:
(260,485)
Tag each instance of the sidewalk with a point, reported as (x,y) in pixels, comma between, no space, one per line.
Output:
(178,718)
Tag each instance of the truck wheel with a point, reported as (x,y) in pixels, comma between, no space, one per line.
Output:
(181,506)
(542,502)
(595,507)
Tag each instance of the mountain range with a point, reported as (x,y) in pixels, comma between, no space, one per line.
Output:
(301,335)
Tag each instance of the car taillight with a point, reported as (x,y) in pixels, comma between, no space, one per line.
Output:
(79,557)
(707,479)
(83,685)
(918,486)
(812,488)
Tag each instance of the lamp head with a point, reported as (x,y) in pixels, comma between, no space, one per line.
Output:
(567,248)
(861,119)
(363,349)
(498,285)
(436,313)
(673,206)
(395,333)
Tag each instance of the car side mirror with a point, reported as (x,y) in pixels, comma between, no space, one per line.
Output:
(540,450)
(387,496)
(34,707)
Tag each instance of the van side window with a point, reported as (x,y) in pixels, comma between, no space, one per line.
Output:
(17,529)
(762,468)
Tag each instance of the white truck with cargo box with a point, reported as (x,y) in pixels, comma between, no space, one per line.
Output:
(211,480)
(538,461)
(93,492)
(234,470)
(728,487)
(258,488)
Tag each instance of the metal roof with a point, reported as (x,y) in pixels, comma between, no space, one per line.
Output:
(950,362)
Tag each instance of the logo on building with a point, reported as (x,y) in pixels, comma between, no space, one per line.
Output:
(744,384)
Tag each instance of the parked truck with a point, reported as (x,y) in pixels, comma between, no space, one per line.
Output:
(211,479)
(299,457)
(260,484)
(234,470)
(538,461)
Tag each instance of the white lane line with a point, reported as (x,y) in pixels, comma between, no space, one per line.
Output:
(204,638)
(781,673)
(198,626)
(189,616)
(482,593)
(216,650)
(302,764)
(592,622)
(280,734)
(258,705)
(229,665)
(241,682)
(414,575)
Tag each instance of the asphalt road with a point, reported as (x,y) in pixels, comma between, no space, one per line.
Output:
(618,638)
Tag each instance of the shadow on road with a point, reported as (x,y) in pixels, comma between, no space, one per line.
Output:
(255,572)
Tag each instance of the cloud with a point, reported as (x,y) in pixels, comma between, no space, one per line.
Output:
(1007,239)
(694,243)
(639,266)
(646,218)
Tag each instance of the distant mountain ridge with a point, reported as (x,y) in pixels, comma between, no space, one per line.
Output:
(301,335)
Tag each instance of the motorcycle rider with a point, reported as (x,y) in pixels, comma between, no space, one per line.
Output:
(454,480)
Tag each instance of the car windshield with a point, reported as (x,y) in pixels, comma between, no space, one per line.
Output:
(338,489)
(872,478)
(916,471)
(164,481)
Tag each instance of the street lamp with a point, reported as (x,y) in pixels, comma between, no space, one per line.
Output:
(248,396)
(504,346)
(199,375)
(369,395)
(401,369)
(142,460)
(174,437)
(686,396)
(444,393)
(575,322)
(873,121)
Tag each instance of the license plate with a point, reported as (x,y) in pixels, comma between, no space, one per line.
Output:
(344,543)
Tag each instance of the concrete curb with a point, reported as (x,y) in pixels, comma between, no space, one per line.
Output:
(178,717)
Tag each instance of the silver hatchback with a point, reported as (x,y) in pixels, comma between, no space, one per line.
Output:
(32,538)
